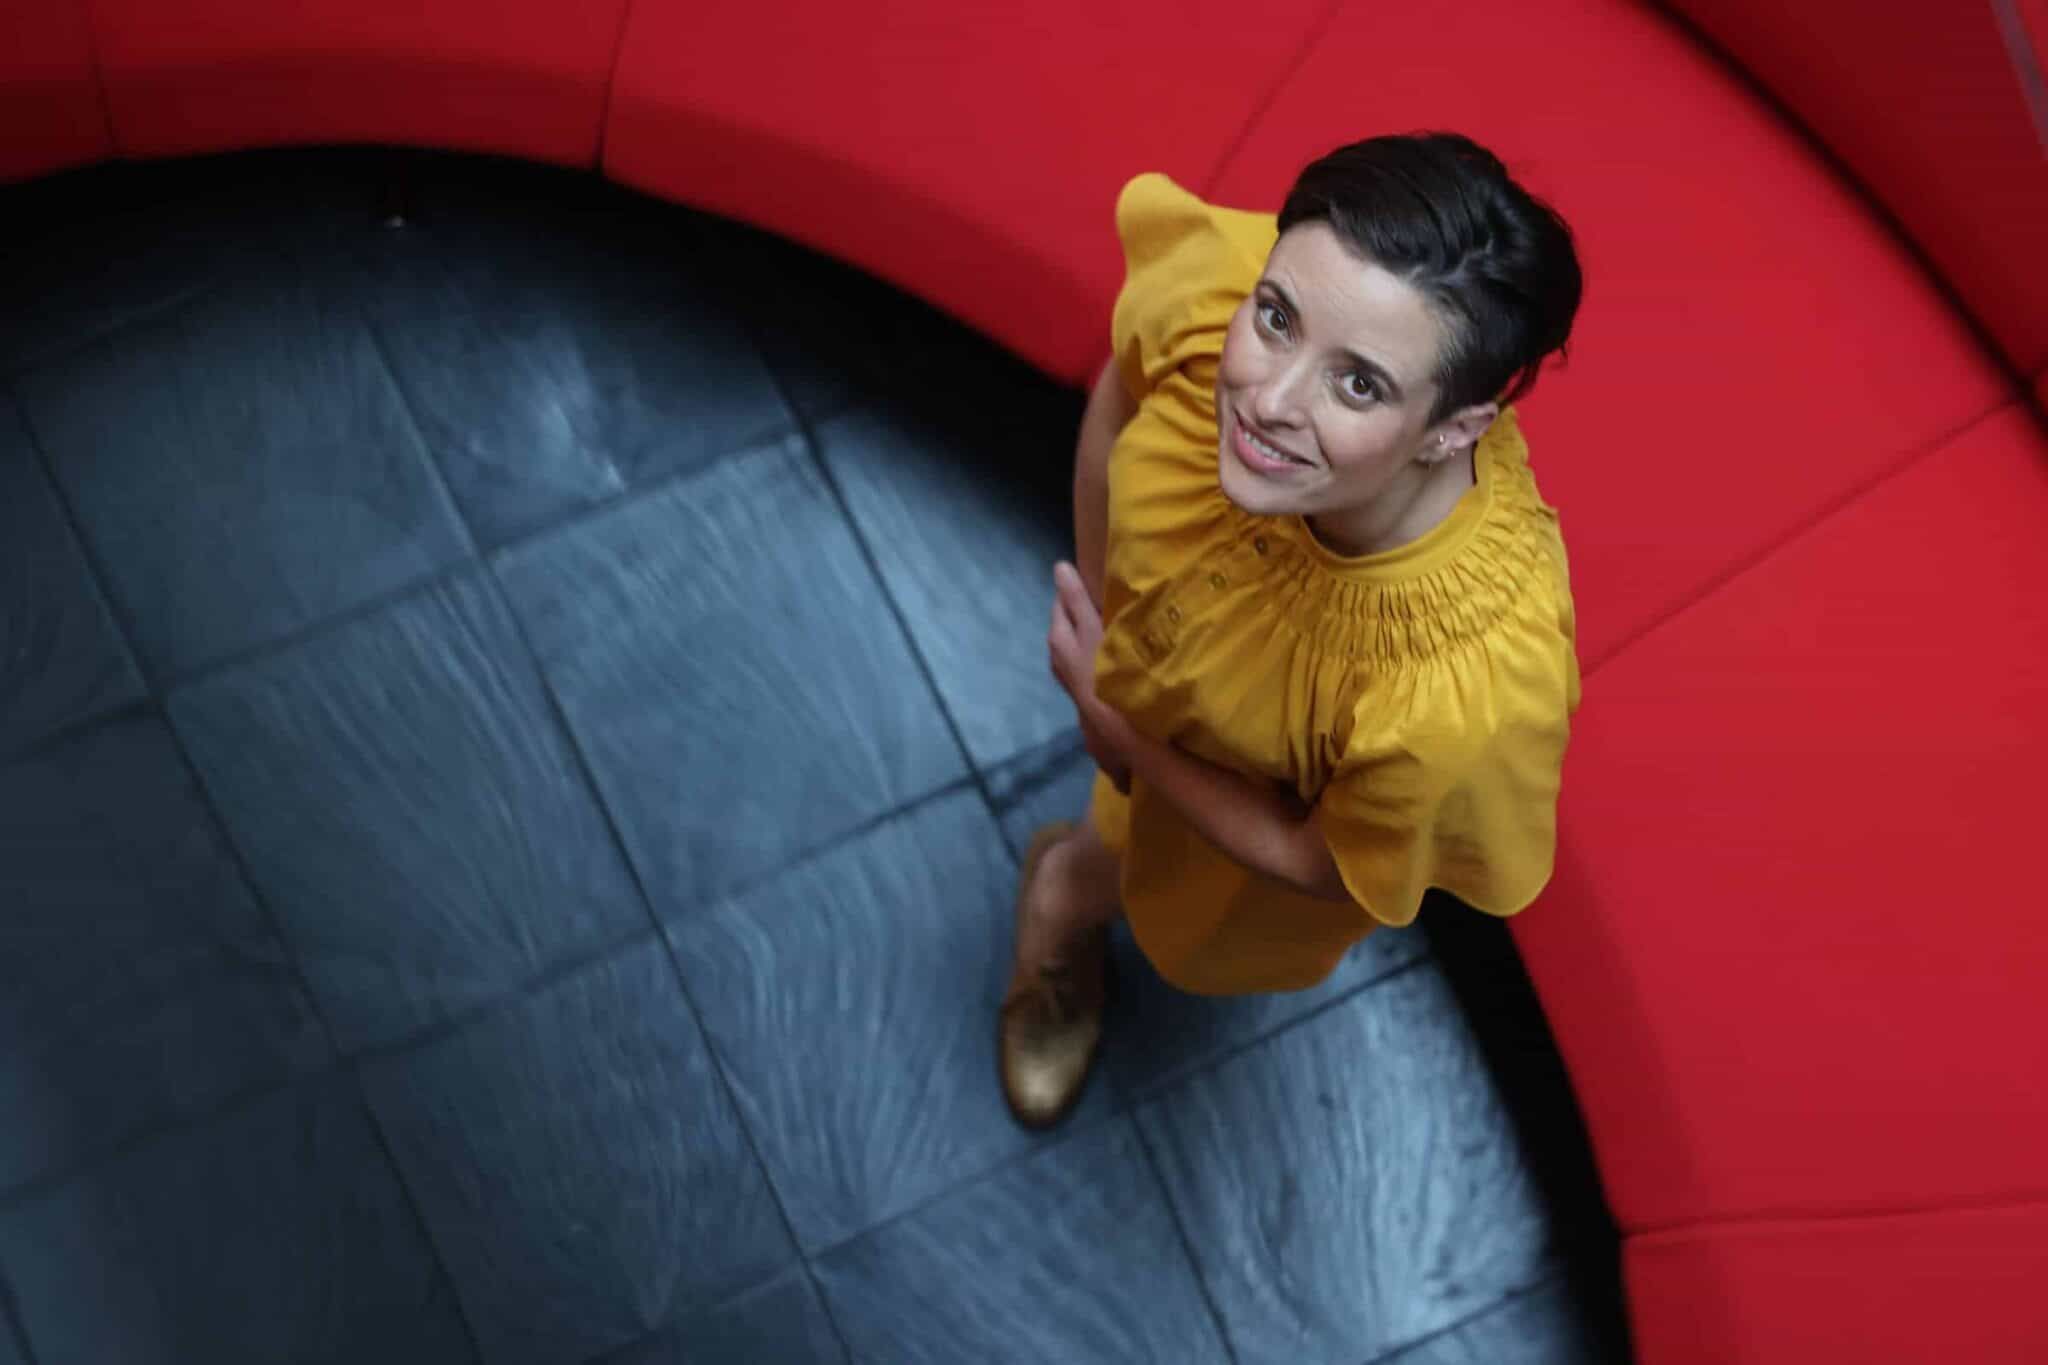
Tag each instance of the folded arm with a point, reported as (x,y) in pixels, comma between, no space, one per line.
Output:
(1259,824)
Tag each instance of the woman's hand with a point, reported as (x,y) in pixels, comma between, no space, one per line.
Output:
(1075,636)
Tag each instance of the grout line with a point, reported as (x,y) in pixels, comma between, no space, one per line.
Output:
(588,773)
(332,624)
(1151,1092)
(77,728)
(428,456)
(478,1013)
(1187,1243)
(419,1215)
(825,1306)
(757,446)
(807,429)
(924,667)
(1825,513)
(150,314)
(1391,1355)
(12,1324)
(216,816)
(95,567)
(477,560)
(1113,1112)
(425,1036)
(1037,1145)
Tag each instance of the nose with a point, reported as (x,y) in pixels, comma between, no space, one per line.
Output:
(1279,403)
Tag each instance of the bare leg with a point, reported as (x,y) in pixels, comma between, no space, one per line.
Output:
(1051,1020)
(1077,890)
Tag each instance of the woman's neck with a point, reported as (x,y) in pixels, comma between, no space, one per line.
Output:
(1415,504)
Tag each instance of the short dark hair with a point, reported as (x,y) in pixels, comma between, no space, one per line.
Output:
(1440,212)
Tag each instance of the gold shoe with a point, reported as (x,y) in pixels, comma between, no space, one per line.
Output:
(1051,1022)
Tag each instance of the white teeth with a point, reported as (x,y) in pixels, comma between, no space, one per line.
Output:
(1264,449)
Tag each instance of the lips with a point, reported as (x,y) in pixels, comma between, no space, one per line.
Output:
(1260,452)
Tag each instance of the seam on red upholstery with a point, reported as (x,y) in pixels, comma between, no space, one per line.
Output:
(1272,91)
(611,76)
(1828,512)
(1682,1231)
(2025,65)
(99,75)
(1836,166)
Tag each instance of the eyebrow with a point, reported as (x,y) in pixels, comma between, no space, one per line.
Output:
(1372,367)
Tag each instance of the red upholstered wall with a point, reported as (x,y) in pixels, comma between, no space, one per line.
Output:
(519,77)
(1753,344)
(1954,1285)
(970,154)
(1927,105)
(50,110)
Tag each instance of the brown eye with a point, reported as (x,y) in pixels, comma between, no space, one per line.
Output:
(1360,389)
(1272,318)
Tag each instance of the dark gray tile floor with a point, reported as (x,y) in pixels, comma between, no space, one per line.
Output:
(519,707)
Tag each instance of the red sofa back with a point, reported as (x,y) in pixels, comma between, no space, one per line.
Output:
(1941,112)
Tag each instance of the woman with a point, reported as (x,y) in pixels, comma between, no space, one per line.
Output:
(1320,638)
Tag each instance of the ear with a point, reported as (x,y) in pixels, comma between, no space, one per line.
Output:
(1460,432)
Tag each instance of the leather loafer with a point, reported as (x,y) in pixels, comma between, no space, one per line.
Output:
(1050,1028)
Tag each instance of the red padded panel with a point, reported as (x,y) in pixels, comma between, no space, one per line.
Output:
(971,154)
(1961,1285)
(1752,346)
(1925,105)
(518,77)
(50,112)
(1794,954)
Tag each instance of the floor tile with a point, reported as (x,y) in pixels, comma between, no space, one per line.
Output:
(1541,1327)
(579,1165)
(727,660)
(411,810)
(1353,1184)
(1050,783)
(241,467)
(966,545)
(834,335)
(10,1345)
(61,658)
(276,1233)
(558,351)
(1158,1033)
(853,1002)
(89,251)
(1162,1033)
(139,980)
(1069,1256)
(780,1323)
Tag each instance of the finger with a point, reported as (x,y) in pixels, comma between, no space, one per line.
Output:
(1072,591)
(1060,640)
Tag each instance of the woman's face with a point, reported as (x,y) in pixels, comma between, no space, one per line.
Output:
(1325,389)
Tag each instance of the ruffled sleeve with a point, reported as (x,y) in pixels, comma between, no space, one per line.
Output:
(1450,779)
(1188,265)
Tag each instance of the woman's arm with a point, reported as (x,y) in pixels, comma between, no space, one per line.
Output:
(1109,408)
(1260,824)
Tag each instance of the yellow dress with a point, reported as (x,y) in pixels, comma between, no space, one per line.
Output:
(1419,699)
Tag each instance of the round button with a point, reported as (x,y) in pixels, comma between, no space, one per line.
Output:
(1216,580)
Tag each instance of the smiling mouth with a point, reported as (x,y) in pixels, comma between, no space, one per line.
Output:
(1261,446)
